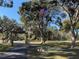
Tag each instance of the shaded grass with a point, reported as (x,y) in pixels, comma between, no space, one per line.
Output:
(3,47)
(56,53)
(61,50)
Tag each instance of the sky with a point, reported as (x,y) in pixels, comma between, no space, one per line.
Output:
(12,12)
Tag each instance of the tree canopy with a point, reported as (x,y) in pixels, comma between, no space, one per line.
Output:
(6,3)
(38,12)
(37,15)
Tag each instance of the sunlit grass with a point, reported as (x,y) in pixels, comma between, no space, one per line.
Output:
(54,51)
(56,57)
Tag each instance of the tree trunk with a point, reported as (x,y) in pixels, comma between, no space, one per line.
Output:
(11,42)
(73,44)
(42,36)
(42,40)
(11,38)
(26,39)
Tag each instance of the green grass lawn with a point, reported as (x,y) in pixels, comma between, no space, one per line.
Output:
(61,50)
(50,53)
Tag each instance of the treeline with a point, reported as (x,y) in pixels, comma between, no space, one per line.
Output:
(37,15)
(10,29)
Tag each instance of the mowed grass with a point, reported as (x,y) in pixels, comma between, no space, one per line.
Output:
(56,57)
(58,52)
(53,53)
(55,43)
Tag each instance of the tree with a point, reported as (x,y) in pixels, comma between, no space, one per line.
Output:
(35,17)
(6,3)
(8,26)
(72,9)
(39,13)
